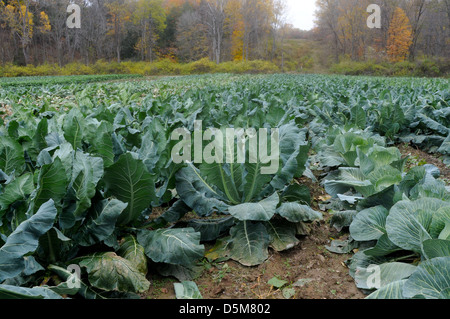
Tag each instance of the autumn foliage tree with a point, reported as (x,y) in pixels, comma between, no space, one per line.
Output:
(35,31)
(118,14)
(341,27)
(20,20)
(150,17)
(400,37)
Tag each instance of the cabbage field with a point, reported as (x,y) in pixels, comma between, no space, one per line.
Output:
(92,199)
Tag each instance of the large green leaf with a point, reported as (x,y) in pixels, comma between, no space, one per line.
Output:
(369,224)
(347,178)
(110,272)
(73,131)
(384,176)
(261,211)
(179,246)
(341,219)
(65,153)
(131,250)
(11,156)
(393,290)
(86,173)
(16,190)
(129,181)
(440,219)
(415,176)
(187,290)
(378,276)
(227,177)
(348,141)
(385,198)
(433,248)
(431,280)
(39,142)
(51,245)
(358,116)
(211,229)
(254,181)
(383,247)
(282,234)
(297,193)
(52,184)
(201,196)
(101,143)
(101,222)
(154,143)
(249,243)
(366,164)
(295,212)
(409,222)
(433,125)
(25,240)
(328,157)
(445,146)
(384,156)
(294,150)
(15,292)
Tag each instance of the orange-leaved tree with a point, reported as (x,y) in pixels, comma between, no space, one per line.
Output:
(400,37)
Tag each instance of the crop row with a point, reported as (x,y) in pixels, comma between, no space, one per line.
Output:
(86,168)
(63,79)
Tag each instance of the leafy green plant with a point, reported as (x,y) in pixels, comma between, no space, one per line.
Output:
(377,170)
(256,202)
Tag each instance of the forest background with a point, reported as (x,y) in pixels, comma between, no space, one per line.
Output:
(171,37)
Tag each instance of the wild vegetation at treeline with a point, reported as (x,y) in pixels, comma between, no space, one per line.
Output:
(88,181)
(165,35)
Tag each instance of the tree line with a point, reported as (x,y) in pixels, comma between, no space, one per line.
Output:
(35,31)
(408,29)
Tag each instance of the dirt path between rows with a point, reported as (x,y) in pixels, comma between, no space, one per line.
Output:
(419,157)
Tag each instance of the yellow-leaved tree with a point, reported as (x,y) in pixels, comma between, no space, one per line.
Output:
(118,13)
(235,24)
(400,37)
(21,20)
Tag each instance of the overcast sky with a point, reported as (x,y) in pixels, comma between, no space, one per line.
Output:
(301,13)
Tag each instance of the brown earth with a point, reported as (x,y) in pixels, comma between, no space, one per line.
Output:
(419,157)
(325,274)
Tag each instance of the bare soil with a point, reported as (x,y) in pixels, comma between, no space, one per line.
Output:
(324,274)
(419,157)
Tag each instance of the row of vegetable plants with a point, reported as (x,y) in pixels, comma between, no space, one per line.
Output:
(84,168)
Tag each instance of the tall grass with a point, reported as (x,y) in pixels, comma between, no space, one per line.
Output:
(162,67)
